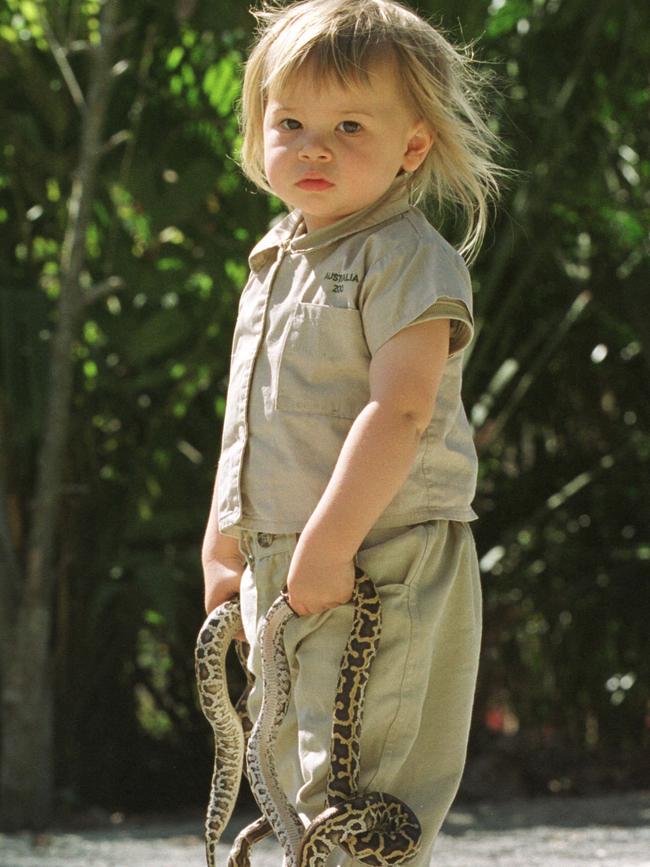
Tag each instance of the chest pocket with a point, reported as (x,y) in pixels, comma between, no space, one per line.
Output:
(324,364)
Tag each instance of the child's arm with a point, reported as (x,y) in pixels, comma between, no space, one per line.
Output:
(222,560)
(374,462)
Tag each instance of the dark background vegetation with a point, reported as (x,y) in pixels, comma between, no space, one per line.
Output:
(556,384)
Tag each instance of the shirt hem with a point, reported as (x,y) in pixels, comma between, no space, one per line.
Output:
(399,519)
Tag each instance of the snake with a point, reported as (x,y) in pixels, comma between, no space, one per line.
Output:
(375,828)
(231,729)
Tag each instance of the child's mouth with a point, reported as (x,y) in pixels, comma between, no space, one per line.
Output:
(314,184)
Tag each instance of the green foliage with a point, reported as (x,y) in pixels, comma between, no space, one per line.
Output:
(222,83)
(555,383)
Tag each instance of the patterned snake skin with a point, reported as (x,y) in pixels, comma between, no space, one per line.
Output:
(375,828)
(276,686)
(231,728)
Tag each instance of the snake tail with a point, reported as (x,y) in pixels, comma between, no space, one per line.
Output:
(239,855)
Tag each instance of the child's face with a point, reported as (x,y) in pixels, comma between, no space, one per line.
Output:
(331,150)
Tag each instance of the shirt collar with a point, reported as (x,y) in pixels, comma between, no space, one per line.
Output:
(284,234)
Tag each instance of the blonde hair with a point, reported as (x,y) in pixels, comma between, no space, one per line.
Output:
(342,38)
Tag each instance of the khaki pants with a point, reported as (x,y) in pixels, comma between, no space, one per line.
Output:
(421,687)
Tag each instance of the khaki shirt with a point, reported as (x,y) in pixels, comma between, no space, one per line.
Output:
(315,309)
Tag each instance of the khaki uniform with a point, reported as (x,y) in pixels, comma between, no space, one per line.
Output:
(316,308)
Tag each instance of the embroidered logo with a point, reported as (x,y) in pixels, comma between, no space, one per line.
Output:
(339,279)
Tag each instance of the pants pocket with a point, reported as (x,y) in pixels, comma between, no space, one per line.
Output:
(395,560)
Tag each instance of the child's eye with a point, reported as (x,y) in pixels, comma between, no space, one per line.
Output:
(290,123)
(350,127)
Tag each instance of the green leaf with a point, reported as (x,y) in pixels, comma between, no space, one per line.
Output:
(174,57)
(221,84)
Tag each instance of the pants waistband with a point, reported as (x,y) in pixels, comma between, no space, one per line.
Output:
(254,545)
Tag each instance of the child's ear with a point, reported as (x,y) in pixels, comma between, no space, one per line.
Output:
(418,146)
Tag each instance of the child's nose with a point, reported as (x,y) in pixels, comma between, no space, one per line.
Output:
(312,147)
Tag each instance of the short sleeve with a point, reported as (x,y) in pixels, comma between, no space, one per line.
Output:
(414,283)
(461,325)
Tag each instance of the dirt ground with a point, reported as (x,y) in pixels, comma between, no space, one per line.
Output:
(609,831)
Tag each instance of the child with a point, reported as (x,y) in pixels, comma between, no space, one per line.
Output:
(345,439)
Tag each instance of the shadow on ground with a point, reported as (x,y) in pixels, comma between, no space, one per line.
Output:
(612,831)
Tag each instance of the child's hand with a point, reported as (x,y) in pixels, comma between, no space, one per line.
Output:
(222,579)
(316,583)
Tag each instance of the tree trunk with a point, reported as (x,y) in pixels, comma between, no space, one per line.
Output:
(27,722)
